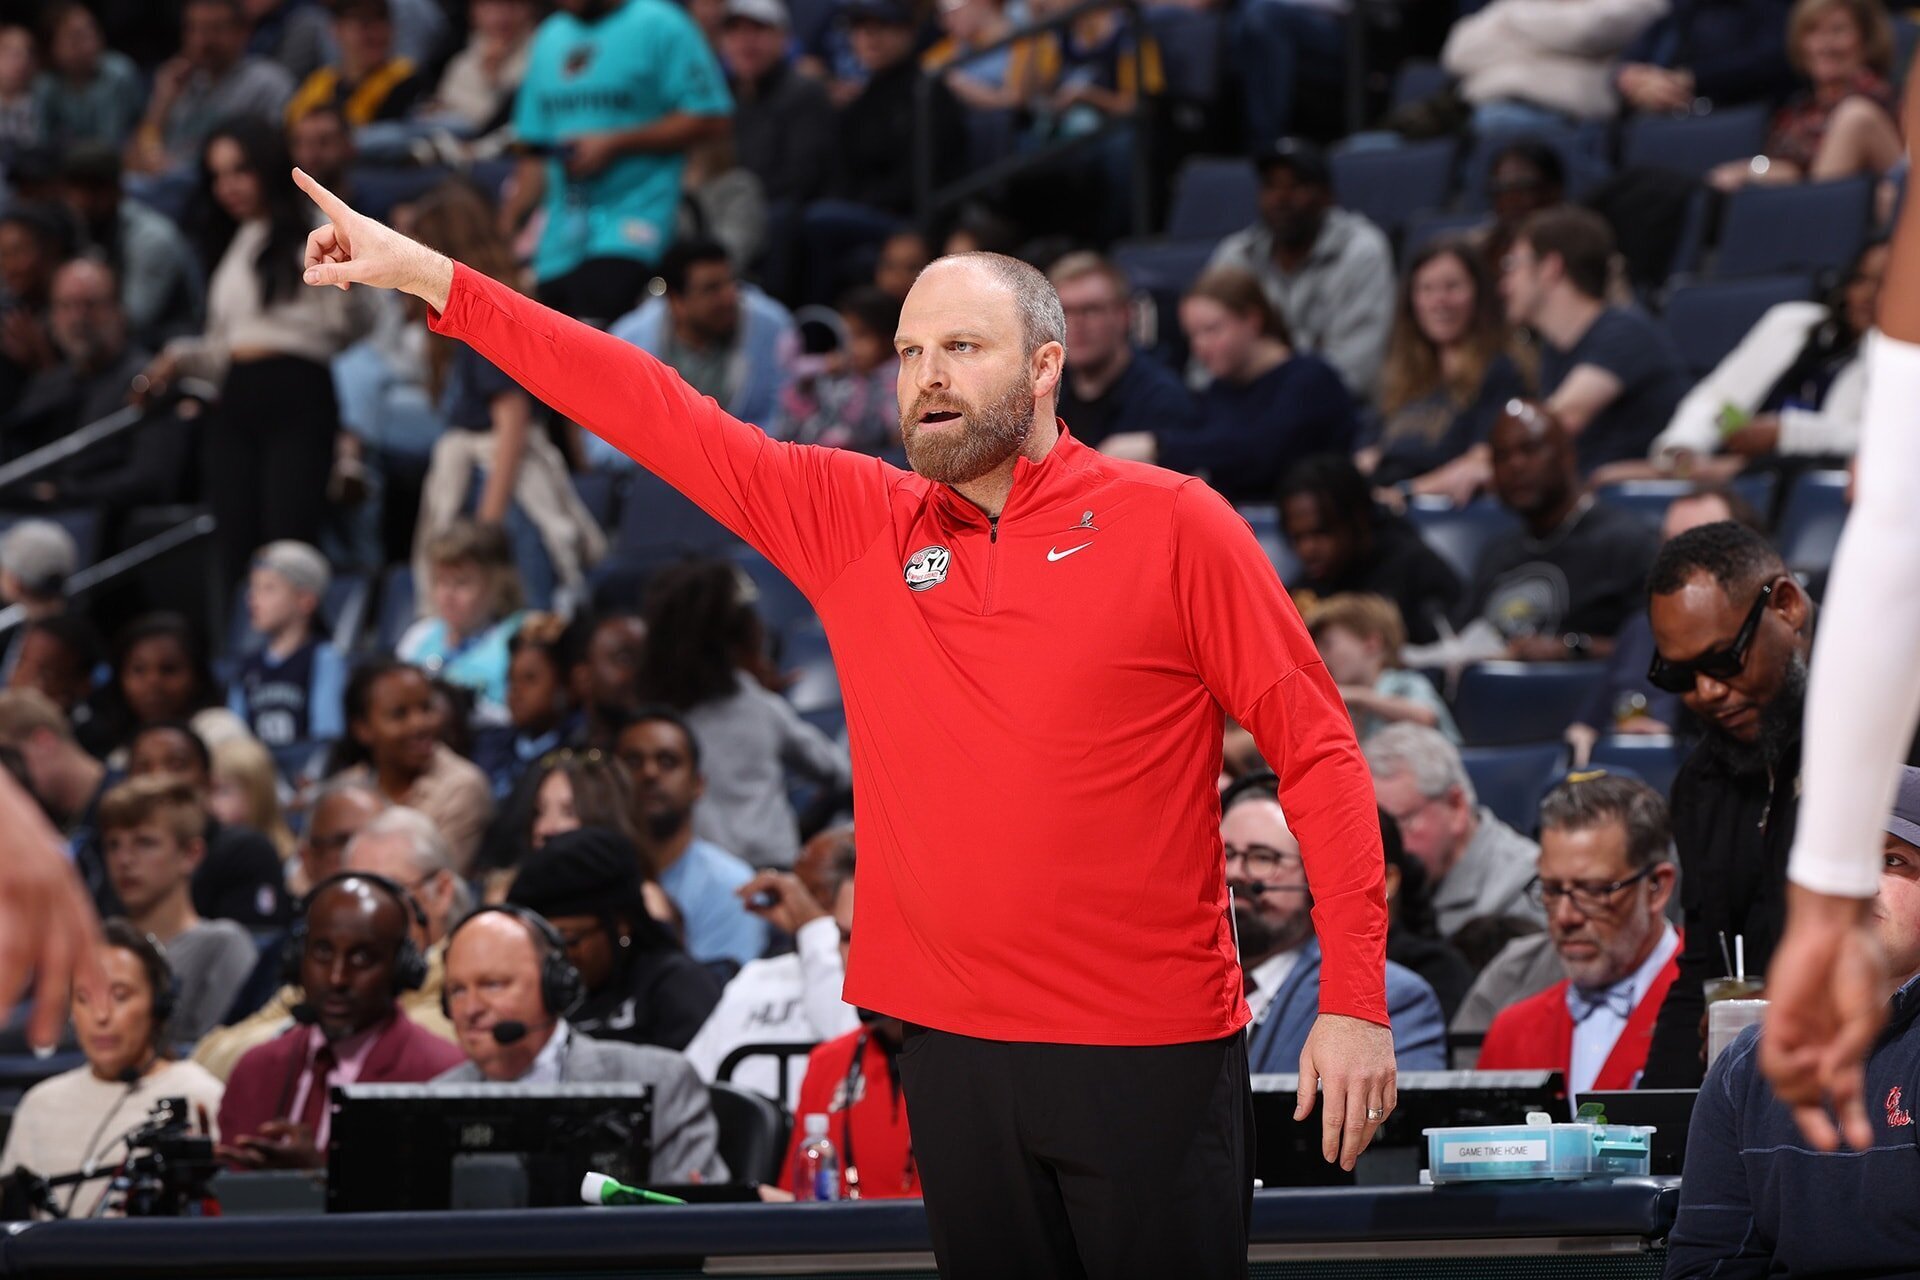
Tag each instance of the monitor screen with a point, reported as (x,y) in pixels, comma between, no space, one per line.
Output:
(469,1146)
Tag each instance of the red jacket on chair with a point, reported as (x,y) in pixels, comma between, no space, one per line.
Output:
(263,1080)
(1537,1034)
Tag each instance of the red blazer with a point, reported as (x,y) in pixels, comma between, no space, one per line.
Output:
(264,1079)
(1537,1034)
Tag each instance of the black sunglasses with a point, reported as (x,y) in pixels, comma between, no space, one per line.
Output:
(1720,664)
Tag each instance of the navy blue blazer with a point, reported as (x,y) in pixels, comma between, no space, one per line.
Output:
(1279,1034)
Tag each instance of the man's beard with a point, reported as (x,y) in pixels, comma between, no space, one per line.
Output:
(666,824)
(985,437)
(1257,937)
(1780,723)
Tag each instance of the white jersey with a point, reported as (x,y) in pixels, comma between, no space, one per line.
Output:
(791,999)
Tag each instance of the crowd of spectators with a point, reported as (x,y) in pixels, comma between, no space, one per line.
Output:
(629,752)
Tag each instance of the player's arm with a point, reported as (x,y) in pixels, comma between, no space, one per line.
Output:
(1827,980)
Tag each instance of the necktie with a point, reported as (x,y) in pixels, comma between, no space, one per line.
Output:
(1584,1004)
(314,1109)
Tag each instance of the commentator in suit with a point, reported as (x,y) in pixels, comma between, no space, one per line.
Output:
(509,987)
(1280,957)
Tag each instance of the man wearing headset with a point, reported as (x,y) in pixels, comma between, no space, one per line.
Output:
(509,989)
(352,953)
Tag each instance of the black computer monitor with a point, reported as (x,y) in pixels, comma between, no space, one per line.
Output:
(1287,1153)
(448,1146)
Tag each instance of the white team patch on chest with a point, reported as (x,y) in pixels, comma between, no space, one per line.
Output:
(927,568)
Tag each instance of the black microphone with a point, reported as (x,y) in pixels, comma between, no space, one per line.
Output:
(509,1032)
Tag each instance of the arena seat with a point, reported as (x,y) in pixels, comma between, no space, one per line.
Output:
(1656,759)
(1212,198)
(1191,43)
(1510,703)
(1461,534)
(396,606)
(1388,184)
(1811,520)
(1693,144)
(1416,80)
(1649,499)
(1510,780)
(1425,226)
(817,685)
(753,1133)
(1807,226)
(1708,319)
(600,494)
(780,604)
(659,522)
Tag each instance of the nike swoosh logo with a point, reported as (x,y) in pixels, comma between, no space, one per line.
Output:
(1054,554)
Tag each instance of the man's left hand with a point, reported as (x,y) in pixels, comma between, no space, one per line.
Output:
(1351,1061)
(280,1144)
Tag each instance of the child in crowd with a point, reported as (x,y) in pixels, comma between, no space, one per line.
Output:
(153,833)
(246,793)
(846,398)
(288,690)
(1360,638)
(474,598)
(539,704)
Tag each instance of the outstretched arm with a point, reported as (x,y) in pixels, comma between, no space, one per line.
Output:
(1828,981)
(810,511)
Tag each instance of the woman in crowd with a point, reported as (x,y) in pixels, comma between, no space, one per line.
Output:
(268,448)
(1268,405)
(1842,124)
(703,636)
(392,741)
(160,674)
(79,1116)
(1796,385)
(246,793)
(1446,375)
(494,443)
(642,987)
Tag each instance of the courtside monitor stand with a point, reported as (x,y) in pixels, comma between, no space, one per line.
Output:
(408,1147)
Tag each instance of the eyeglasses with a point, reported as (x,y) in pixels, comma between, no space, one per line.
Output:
(1589,897)
(1721,664)
(1262,862)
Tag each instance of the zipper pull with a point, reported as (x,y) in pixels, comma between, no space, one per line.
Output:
(993,528)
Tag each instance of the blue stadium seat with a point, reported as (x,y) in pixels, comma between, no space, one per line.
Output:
(1709,319)
(1460,534)
(1655,759)
(377,189)
(1415,81)
(1807,226)
(1213,197)
(781,605)
(1509,780)
(1265,520)
(396,606)
(831,721)
(808,657)
(1171,265)
(1649,499)
(659,522)
(1509,703)
(992,136)
(1693,144)
(1389,183)
(1425,226)
(1191,42)
(599,494)
(1811,521)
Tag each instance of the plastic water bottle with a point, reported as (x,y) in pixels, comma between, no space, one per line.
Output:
(817,1167)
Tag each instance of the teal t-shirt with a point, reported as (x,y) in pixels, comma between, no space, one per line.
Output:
(643,61)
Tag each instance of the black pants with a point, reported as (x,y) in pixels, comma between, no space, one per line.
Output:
(267,454)
(599,290)
(1047,1160)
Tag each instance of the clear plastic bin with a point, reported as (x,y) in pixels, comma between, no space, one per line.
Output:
(1519,1152)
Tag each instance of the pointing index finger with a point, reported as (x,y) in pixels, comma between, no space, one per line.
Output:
(330,204)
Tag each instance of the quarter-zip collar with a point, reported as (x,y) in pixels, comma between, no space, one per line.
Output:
(1035,485)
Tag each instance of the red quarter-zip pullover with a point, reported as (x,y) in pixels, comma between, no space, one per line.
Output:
(1034,705)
